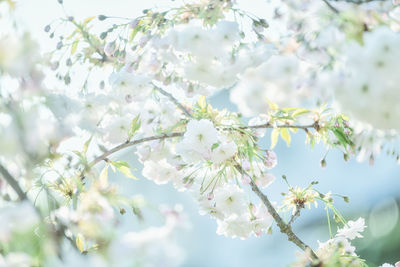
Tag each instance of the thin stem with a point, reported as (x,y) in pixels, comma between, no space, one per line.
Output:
(285,228)
(12,182)
(294,216)
(174,100)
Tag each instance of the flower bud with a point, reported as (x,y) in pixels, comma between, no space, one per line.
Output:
(109,49)
(270,159)
(102,17)
(371,160)
(47,28)
(103,35)
(134,23)
(323,163)
(59,45)
(68,62)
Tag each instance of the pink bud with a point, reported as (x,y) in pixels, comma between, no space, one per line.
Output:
(258,233)
(270,159)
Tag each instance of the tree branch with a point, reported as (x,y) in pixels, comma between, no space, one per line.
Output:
(174,100)
(285,228)
(12,182)
(268,125)
(23,196)
(132,143)
(179,134)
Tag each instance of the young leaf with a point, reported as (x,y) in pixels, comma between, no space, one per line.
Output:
(86,145)
(286,136)
(202,102)
(103,178)
(74,46)
(123,167)
(300,111)
(274,137)
(87,20)
(79,240)
(272,105)
(135,126)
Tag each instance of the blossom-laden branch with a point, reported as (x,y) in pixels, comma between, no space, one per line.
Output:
(285,228)
(180,134)
(57,233)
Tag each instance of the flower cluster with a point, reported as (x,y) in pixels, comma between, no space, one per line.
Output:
(370,78)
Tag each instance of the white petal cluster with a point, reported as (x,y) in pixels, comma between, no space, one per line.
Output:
(216,67)
(276,80)
(368,87)
(198,142)
(161,172)
(353,229)
(341,240)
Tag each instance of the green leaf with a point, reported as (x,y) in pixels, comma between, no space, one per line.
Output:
(274,137)
(286,136)
(135,126)
(214,146)
(124,167)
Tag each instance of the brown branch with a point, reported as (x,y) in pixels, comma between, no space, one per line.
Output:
(268,125)
(13,183)
(132,143)
(285,228)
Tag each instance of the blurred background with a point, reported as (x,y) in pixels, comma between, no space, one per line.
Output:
(374,191)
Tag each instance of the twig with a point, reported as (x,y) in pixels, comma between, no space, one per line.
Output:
(13,183)
(331,7)
(295,215)
(285,228)
(173,99)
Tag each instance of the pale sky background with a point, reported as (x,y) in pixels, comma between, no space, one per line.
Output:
(365,185)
